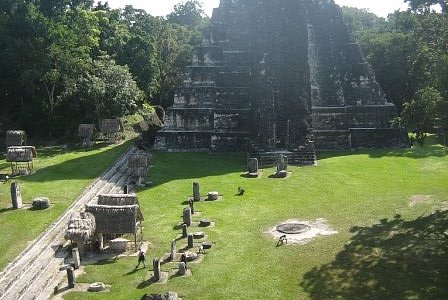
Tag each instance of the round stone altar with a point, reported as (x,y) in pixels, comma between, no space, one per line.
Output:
(96,287)
(207,245)
(300,231)
(293,228)
(41,203)
(213,195)
(198,235)
(205,223)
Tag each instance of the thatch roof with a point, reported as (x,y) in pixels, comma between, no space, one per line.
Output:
(86,130)
(111,126)
(117,199)
(81,227)
(15,138)
(138,160)
(114,219)
(21,154)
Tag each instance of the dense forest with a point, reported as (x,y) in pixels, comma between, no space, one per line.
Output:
(64,62)
(409,53)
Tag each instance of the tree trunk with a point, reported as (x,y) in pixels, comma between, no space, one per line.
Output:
(50,93)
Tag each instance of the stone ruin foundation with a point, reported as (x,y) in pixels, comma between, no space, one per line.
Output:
(167,296)
(301,232)
(278,77)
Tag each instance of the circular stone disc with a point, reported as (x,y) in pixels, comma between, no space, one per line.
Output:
(293,228)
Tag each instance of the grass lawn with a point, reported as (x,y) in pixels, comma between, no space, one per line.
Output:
(61,175)
(385,248)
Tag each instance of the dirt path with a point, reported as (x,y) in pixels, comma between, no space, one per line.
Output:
(35,272)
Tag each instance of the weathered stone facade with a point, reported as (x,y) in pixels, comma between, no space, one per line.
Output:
(278,76)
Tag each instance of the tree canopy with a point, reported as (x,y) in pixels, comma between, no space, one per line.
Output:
(409,52)
(65,62)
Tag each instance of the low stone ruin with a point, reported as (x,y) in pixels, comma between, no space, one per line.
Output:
(41,203)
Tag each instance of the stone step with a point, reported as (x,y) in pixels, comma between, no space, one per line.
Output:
(266,159)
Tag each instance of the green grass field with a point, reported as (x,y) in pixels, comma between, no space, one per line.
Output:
(386,248)
(61,175)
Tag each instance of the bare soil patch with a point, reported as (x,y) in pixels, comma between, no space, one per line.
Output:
(416,199)
(316,228)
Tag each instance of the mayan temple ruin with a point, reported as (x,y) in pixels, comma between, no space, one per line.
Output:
(278,76)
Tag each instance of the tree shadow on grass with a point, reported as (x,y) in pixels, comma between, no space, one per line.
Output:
(3,210)
(107,261)
(396,259)
(86,167)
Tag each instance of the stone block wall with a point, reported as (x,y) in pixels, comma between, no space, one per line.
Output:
(184,141)
(330,118)
(372,116)
(377,137)
(278,75)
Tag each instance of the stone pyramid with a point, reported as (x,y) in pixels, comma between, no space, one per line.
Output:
(279,76)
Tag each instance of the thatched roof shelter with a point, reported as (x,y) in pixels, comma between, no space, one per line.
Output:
(21,154)
(110,126)
(138,160)
(114,219)
(81,227)
(117,199)
(86,130)
(15,138)
(116,213)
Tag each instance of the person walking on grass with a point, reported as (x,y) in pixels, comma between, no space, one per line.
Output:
(141,258)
